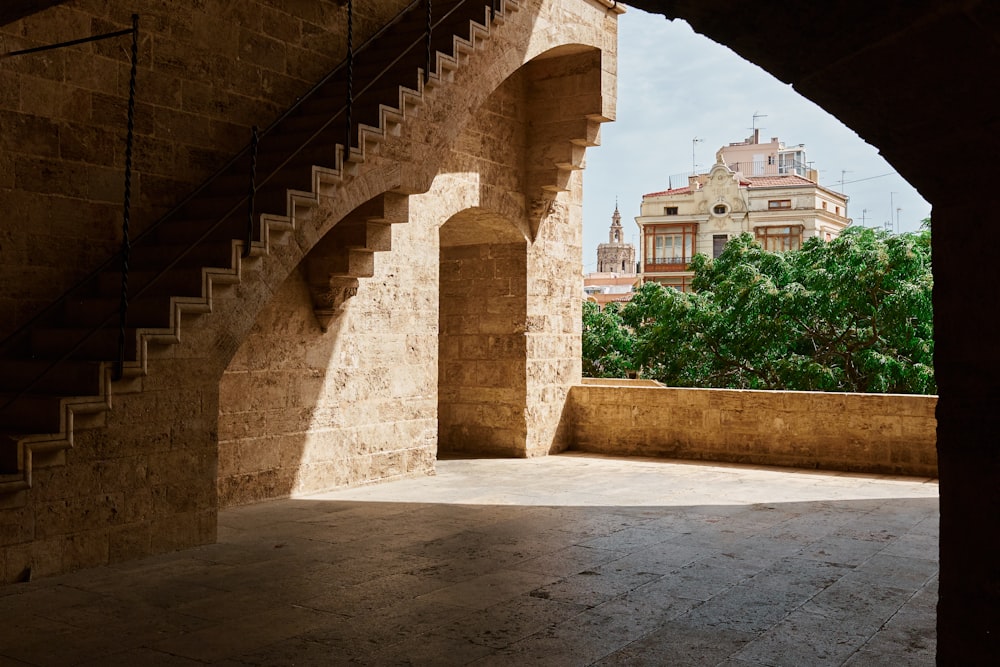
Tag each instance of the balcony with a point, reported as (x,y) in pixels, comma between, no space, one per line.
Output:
(573,559)
(664,264)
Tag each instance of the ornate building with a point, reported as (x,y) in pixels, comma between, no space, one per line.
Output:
(780,210)
(616,256)
(615,278)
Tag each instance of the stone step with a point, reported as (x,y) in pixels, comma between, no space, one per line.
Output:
(41,377)
(373,236)
(79,343)
(29,413)
(176,282)
(351,263)
(145,311)
(210,253)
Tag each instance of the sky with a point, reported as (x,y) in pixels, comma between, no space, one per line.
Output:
(675,85)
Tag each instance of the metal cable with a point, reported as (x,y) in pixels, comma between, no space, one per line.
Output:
(350,75)
(254,142)
(127,205)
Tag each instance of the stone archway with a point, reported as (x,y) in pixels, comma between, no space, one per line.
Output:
(482,380)
(908,79)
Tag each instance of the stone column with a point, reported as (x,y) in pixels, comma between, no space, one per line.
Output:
(967,363)
(552,339)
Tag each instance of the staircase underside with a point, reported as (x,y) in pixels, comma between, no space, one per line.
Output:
(58,374)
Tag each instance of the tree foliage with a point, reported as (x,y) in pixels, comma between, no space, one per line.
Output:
(852,314)
(608,346)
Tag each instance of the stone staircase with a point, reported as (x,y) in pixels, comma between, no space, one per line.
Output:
(57,373)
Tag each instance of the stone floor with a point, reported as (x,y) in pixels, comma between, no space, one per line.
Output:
(565,560)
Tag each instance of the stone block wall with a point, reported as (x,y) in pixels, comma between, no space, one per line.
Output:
(207,72)
(482,348)
(483,284)
(302,410)
(137,481)
(251,400)
(879,433)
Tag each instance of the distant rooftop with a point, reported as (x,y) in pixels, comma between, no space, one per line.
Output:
(783,180)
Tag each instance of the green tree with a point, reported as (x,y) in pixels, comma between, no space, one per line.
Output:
(853,314)
(608,346)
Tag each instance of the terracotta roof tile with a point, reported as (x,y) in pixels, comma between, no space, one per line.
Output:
(745,181)
(675,191)
(774,181)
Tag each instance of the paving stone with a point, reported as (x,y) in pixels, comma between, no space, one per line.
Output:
(443,580)
(663,558)
(488,589)
(800,639)
(680,644)
(508,622)
(572,560)
(430,650)
(595,585)
(139,656)
(873,659)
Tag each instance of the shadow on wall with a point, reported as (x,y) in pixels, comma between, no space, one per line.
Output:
(303,410)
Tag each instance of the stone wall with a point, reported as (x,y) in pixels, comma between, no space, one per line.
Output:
(302,410)
(482,343)
(206,73)
(481,367)
(247,398)
(883,433)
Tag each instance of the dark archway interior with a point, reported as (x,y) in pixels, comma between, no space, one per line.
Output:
(911,79)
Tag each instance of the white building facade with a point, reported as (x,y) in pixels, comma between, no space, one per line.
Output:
(780,210)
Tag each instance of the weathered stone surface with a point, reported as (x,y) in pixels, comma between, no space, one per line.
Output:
(253,400)
(856,432)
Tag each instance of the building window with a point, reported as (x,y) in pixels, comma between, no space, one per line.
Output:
(668,247)
(824,206)
(779,239)
(718,244)
(669,210)
(779,203)
(838,210)
(679,283)
(720,209)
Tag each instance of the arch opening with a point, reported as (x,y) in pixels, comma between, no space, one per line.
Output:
(481,344)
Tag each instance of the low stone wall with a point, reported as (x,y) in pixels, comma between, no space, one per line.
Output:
(878,433)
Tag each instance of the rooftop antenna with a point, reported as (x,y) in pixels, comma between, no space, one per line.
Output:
(897,219)
(694,164)
(864,212)
(754,128)
(842,172)
(892,205)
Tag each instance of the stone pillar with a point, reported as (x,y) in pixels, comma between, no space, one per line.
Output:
(553,336)
(967,363)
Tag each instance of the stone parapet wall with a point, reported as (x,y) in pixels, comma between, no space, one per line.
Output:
(878,433)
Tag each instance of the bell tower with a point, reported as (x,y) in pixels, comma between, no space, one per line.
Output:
(616,256)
